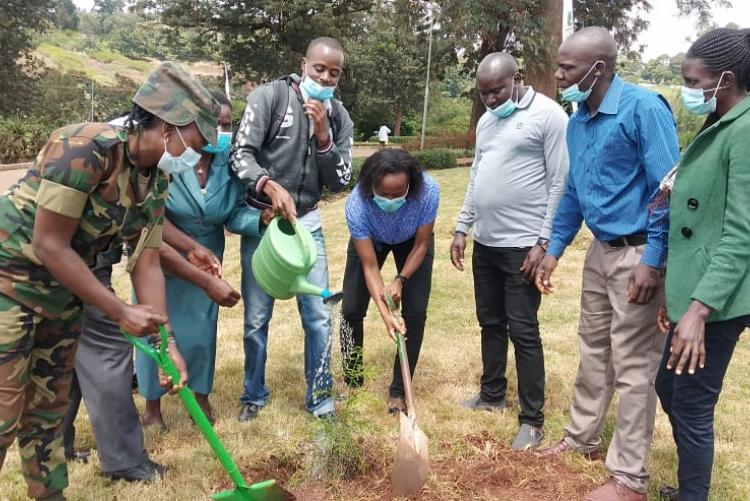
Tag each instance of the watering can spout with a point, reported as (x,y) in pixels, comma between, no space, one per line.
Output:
(302,286)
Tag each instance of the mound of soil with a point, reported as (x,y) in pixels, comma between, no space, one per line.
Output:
(491,472)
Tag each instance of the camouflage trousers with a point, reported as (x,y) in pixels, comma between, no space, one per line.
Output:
(37,357)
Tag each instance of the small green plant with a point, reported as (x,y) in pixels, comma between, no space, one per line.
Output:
(339,453)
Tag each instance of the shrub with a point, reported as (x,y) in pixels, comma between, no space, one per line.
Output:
(437,158)
(394,139)
(463,141)
(21,140)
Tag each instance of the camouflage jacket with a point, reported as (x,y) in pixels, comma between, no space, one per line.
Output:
(83,172)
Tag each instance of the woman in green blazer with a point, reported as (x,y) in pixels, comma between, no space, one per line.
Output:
(708,277)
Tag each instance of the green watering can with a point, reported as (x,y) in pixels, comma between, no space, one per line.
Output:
(283,259)
(267,490)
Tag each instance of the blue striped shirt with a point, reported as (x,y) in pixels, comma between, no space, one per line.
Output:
(618,156)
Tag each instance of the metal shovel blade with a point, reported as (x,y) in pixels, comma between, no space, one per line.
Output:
(412,463)
(262,491)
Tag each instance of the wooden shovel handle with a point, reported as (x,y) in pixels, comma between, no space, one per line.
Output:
(403,359)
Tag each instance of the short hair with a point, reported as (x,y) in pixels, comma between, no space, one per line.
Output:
(725,49)
(221,98)
(390,161)
(329,42)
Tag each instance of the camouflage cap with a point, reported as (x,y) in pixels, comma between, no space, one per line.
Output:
(171,94)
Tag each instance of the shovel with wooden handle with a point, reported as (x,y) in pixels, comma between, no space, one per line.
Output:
(412,463)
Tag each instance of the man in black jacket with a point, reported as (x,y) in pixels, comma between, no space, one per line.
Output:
(286,155)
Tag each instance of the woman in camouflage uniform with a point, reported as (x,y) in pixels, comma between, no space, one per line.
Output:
(92,187)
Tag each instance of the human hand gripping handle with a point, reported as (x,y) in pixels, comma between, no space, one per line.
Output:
(139,319)
(172,368)
(282,201)
(393,320)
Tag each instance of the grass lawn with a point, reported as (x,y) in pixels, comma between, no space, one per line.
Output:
(468,450)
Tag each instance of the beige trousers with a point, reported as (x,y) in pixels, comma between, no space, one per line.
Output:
(620,348)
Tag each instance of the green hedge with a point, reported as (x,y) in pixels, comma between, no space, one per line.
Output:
(437,158)
(21,140)
(393,139)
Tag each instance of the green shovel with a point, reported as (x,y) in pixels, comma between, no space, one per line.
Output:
(267,490)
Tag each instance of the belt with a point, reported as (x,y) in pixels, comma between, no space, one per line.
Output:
(628,241)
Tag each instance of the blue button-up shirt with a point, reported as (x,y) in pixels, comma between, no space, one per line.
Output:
(617,158)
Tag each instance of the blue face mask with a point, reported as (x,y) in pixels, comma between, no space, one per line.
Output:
(175,165)
(389,204)
(506,109)
(224,140)
(575,95)
(316,91)
(695,99)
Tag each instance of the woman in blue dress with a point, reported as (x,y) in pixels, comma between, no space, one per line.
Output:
(202,203)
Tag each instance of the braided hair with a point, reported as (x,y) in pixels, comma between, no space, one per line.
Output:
(139,118)
(725,49)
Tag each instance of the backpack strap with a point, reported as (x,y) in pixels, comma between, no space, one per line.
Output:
(279,105)
(335,118)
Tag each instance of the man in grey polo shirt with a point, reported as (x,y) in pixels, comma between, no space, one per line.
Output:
(518,177)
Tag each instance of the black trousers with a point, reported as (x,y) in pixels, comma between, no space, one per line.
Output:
(507,307)
(690,400)
(415,297)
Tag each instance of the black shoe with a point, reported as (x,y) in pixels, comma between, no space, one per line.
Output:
(476,403)
(55,496)
(327,416)
(249,412)
(148,471)
(80,456)
(668,493)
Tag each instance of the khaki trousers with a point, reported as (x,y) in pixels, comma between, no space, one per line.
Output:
(620,348)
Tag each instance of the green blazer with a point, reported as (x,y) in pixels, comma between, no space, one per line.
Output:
(709,221)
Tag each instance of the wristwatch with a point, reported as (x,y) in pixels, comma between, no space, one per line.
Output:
(543,243)
(402,278)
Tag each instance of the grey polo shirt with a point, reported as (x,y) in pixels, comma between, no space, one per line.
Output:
(519,174)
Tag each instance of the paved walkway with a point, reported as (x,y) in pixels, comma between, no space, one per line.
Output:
(8,177)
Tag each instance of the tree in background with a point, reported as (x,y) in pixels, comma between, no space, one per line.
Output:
(107,7)
(66,15)
(526,29)
(19,22)
(480,28)
(263,38)
(387,63)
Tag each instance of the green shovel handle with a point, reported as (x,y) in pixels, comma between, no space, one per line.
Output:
(191,405)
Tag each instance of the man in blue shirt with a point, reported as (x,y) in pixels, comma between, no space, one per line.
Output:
(622,141)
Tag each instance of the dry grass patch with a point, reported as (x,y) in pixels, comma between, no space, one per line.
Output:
(469,454)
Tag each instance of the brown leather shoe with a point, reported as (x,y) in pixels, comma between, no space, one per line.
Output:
(562,447)
(614,490)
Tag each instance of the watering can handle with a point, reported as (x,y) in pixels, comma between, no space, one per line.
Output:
(403,359)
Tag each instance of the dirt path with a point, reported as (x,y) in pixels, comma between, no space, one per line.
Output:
(8,177)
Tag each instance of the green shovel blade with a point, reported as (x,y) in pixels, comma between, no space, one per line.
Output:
(268,490)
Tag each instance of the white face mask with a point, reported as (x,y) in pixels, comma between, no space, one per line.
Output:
(174,165)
